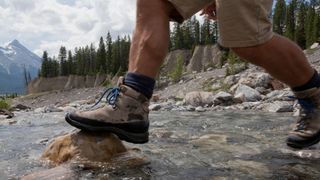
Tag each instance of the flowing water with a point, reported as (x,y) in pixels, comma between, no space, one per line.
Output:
(183,145)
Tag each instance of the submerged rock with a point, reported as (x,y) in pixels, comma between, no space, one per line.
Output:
(97,147)
(61,173)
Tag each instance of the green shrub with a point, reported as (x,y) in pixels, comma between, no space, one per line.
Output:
(4,104)
(107,83)
(235,64)
(176,74)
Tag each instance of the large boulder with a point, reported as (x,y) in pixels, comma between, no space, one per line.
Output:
(204,57)
(198,98)
(248,94)
(95,147)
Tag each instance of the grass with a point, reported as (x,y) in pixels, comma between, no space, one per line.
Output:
(4,104)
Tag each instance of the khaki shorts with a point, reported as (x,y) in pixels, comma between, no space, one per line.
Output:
(242,23)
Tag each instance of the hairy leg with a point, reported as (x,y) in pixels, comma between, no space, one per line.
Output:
(282,58)
(151,37)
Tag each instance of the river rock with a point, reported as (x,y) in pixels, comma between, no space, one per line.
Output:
(96,147)
(223,98)
(256,80)
(198,98)
(20,107)
(250,95)
(51,109)
(155,107)
(279,106)
(6,113)
(200,109)
(314,45)
(60,172)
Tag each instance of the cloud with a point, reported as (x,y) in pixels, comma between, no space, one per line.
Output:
(48,24)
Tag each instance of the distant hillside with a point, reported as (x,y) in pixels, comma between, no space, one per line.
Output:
(14,58)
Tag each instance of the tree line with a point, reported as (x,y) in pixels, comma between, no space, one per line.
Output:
(299,20)
(111,57)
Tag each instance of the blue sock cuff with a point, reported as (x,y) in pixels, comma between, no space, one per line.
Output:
(312,83)
(140,83)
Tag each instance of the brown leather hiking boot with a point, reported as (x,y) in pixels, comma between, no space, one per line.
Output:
(126,115)
(307,130)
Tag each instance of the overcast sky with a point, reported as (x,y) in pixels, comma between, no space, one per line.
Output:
(48,24)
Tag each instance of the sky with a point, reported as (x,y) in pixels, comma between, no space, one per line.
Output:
(47,24)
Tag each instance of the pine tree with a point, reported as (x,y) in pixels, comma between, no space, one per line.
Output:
(71,64)
(109,53)
(102,57)
(290,20)
(63,61)
(300,35)
(45,65)
(279,17)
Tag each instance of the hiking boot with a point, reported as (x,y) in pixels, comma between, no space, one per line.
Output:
(125,115)
(307,130)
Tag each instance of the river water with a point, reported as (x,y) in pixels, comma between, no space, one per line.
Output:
(183,145)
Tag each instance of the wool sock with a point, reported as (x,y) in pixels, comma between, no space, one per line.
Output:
(140,83)
(313,82)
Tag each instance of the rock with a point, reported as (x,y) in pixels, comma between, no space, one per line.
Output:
(198,98)
(250,95)
(6,113)
(200,109)
(223,98)
(96,147)
(279,106)
(171,60)
(68,109)
(314,45)
(204,57)
(155,107)
(252,168)
(230,80)
(51,109)
(39,110)
(61,173)
(256,80)
(239,98)
(190,108)
(20,107)
(155,98)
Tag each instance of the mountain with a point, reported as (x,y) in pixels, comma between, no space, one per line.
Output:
(14,58)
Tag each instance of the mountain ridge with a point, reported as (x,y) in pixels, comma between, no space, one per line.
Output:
(14,59)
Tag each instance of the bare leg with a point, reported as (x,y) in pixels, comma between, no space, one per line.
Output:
(151,37)
(282,58)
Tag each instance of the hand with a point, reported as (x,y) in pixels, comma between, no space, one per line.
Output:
(210,11)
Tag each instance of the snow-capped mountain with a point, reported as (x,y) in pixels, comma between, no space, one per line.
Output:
(14,58)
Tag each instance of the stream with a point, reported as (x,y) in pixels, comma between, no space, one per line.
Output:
(183,145)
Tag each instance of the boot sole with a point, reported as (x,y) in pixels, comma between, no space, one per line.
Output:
(301,146)
(136,138)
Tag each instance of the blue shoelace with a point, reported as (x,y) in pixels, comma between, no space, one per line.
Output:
(111,98)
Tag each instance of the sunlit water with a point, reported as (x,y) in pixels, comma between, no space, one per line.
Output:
(182,146)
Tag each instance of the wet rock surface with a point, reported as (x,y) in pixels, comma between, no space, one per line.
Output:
(95,147)
(183,145)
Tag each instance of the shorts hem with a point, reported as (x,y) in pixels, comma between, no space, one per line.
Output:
(249,43)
